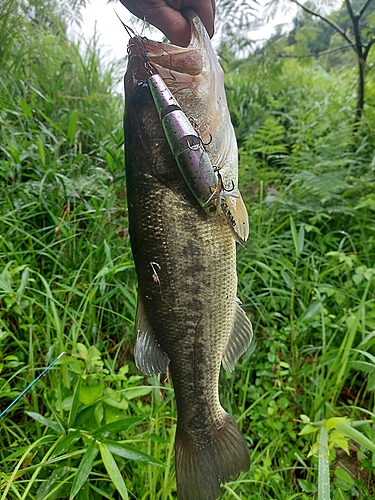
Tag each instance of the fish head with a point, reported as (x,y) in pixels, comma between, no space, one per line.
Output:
(192,74)
(195,78)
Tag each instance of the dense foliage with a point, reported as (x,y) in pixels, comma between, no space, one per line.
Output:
(303,394)
(314,35)
(350,28)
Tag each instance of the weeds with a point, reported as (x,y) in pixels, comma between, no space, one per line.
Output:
(303,395)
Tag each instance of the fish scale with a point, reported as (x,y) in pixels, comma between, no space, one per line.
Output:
(188,317)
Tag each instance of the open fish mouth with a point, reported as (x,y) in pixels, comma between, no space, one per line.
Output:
(177,60)
(193,74)
(168,57)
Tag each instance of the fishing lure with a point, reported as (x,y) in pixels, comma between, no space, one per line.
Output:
(202,178)
(187,148)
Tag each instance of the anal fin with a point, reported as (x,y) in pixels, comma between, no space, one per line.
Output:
(149,356)
(239,339)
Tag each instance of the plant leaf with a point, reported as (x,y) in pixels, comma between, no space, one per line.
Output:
(42,153)
(84,469)
(338,440)
(357,436)
(72,128)
(45,421)
(308,429)
(75,404)
(125,451)
(117,426)
(333,422)
(136,392)
(113,471)
(294,236)
(312,310)
(88,394)
(323,466)
(67,442)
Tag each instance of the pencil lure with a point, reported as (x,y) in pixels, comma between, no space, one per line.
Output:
(187,148)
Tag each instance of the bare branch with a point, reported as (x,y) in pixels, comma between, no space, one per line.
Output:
(368,47)
(356,29)
(350,10)
(364,7)
(318,54)
(326,20)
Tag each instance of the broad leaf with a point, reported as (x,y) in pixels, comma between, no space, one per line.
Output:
(323,466)
(117,426)
(45,421)
(357,436)
(67,442)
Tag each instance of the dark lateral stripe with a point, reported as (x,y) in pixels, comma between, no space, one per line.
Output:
(169,109)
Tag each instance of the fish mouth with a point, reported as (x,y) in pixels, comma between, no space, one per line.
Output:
(173,63)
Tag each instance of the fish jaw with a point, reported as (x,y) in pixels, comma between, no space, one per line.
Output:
(195,77)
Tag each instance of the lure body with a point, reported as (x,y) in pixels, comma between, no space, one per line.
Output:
(187,148)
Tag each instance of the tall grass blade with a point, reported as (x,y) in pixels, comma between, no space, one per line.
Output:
(113,471)
(323,466)
(84,468)
(30,386)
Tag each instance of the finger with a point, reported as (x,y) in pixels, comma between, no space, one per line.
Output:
(136,8)
(205,10)
(173,24)
(169,20)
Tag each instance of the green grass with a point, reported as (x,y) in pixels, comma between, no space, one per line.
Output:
(303,395)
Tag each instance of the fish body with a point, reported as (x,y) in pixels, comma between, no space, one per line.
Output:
(188,317)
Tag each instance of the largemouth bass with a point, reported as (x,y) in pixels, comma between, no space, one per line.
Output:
(188,317)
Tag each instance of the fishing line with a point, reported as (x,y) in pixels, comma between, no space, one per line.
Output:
(30,386)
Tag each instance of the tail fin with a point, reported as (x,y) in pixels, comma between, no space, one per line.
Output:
(200,472)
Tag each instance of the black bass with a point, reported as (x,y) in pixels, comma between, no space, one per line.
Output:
(188,317)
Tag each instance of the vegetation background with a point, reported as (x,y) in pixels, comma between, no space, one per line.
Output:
(303,394)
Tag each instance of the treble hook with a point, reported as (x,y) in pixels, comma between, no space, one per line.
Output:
(195,125)
(193,146)
(228,190)
(209,142)
(223,189)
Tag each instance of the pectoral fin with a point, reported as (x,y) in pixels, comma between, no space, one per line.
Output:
(149,356)
(235,211)
(239,339)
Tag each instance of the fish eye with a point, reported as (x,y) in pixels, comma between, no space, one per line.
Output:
(143,92)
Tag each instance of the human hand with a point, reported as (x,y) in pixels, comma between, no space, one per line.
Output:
(166,15)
